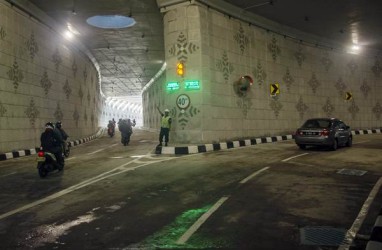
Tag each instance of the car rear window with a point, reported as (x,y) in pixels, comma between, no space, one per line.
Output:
(317,124)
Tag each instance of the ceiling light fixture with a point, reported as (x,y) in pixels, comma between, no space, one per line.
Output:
(111,21)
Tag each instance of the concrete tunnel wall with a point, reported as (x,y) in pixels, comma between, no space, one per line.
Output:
(218,49)
(42,78)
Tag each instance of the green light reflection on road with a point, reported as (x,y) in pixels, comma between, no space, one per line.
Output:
(167,237)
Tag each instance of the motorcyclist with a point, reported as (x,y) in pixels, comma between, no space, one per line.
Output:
(64,135)
(126,130)
(111,127)
(51,141)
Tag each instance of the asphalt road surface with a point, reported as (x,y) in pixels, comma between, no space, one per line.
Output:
(266,196)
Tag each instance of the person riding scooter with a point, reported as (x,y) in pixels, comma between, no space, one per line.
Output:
(126,130)
(64,135)
(111,128)
(51,141)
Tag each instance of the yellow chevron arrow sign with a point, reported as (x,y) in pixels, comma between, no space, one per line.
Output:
(275,88)
(348,96)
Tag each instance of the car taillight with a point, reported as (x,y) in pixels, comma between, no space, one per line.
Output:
(325,132)
(40,154)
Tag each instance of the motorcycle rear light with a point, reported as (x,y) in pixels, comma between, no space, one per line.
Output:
(325,132)
(40,154)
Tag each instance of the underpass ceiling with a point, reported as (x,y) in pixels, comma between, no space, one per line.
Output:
(130,57)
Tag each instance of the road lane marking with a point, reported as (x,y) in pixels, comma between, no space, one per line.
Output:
(360,142)
(71,158)
(290,158)
(8,174)
(253,175)
(352,232)
(120,170)
(200,221)
(102,149)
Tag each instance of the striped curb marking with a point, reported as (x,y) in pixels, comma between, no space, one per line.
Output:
(241,143)
(375,241)
(32,151)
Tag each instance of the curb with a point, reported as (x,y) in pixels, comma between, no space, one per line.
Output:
(375,242)
(240,143)
(32,151)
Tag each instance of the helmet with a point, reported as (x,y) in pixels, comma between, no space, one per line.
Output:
(49,125)
(58,124)
(166,110)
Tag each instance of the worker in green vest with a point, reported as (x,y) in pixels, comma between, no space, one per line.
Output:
(165,126)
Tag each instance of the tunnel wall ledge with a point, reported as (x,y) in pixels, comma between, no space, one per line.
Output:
(240,143)
(32,151)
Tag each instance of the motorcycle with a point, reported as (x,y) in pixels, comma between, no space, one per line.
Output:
(47,162)
(125,138)
(110,132)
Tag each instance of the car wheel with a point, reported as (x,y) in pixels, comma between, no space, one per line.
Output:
(302,146)
(335,145)
(349,143)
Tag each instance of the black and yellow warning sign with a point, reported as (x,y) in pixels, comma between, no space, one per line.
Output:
(275,89)
(348,96)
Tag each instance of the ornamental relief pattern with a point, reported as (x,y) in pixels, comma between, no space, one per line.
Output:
(32,112)
(301,107)
(85,117)
(276,106)
(259,73)
(245,104)
(32,46)
(241,39)
(57,59)
(377,110)
(80,93)
(182,48)
(274,49)
(45,83)
(3,110)
(225,66)
(58,115)
(74,68)
(67,89)
(377,68)
(288,79)
(88,97)
(353,109)
(314,83)
(365,88)
(352,66)
(15,74)
(327,62)
(341,87)
(328,108)
(300,56)
(3,33)
(76,116)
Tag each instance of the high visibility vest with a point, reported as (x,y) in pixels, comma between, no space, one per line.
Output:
(165,123)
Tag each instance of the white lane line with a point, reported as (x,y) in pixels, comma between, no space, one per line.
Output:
(121,169)
(253,175)
(352,232)
(102,149)
(71,158)
(8,174)
(290,158)
(200,221)
(360,142)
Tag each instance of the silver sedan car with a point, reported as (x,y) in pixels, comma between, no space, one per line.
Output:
(329,132)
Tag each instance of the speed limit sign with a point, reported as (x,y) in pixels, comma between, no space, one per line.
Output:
(183,101)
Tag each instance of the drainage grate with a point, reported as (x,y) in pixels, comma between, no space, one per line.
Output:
(351,172)
(322,236)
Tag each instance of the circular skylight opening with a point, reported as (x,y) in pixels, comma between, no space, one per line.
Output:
(111,21)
